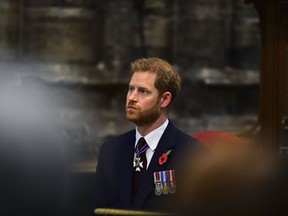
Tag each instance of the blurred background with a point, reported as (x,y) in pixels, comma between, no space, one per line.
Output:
(66,64)
(79,53)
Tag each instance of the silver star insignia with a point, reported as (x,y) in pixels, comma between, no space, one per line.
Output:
(138,164)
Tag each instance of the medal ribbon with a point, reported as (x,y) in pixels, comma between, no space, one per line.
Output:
(164,176)
(157,177)
(142,149)
(140,160)
(171,175)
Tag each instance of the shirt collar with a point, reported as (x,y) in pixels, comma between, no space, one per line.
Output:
(153,137)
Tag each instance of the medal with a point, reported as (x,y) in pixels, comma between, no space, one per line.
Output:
(158,188)
(164,178)
(165,182)
(172,182)
(158,184)
(137,160)
(138,164)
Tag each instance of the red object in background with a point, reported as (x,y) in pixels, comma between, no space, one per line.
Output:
(211,138)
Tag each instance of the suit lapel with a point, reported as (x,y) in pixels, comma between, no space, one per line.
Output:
(166,143)
(125,169)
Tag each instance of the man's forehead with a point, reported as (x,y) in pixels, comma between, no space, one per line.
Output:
(141,77)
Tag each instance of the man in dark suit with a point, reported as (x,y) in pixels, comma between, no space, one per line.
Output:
(130,176)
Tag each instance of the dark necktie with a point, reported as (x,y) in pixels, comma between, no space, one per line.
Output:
(140,163)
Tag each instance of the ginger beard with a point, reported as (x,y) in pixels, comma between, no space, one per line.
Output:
(143,116)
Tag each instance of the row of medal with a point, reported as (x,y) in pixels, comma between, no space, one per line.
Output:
(164,182)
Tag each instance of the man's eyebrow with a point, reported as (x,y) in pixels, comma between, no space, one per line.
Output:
(139,88)
(144,88)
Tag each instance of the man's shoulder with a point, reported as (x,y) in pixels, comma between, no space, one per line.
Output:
(178,132)
(127,136)
(114,145)
(182,137)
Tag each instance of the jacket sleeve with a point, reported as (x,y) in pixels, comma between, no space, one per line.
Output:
(99,196)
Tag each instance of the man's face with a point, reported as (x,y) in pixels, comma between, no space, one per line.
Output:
(143,101)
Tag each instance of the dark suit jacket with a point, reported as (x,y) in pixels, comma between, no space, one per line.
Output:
(114,175)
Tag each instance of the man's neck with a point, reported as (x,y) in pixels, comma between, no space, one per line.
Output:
(146,129)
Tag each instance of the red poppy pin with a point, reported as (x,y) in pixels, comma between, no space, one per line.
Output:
(164,157)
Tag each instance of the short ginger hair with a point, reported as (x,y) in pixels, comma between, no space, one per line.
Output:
(167,78)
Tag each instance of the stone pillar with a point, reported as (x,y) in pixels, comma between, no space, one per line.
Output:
(10,17)
(245,36)
(273,97)
(201,33)
(154,26)
(118,38)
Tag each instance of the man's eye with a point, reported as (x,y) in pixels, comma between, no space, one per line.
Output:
(130,89)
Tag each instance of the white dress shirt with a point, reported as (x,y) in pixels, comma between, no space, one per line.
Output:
(152,140)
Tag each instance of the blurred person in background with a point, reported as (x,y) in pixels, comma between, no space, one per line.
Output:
(236,178)
(32,162)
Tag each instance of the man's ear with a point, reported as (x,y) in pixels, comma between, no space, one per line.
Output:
(165,99)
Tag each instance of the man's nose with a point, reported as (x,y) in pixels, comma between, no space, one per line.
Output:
(132,96)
